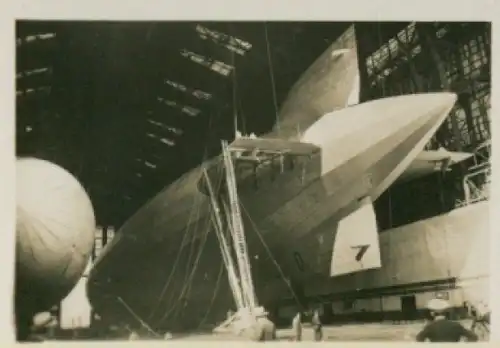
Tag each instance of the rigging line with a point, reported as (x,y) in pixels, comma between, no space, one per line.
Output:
(172,272)
(207,226)
(271,72)
(137,317)
(266,247)
(242,116)
(176,262)
(174,306)
(190,254)
(191,277)
(193,227)
(234,85)
(214,295)
(188,284)
(190,227)
(237,104)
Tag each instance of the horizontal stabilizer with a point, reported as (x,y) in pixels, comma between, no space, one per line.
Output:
(272,146)
(428,162)
(356,246)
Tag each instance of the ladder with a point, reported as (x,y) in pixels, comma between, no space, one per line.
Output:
(224,246)
(240,281)
(240,246)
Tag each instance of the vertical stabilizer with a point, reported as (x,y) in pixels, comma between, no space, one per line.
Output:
(356,246)
(355,91)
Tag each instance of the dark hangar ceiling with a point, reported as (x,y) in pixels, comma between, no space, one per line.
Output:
(127,107)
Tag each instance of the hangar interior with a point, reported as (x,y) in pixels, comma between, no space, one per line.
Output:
(129,107)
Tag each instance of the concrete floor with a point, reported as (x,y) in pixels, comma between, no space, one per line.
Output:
(349,332)
(381,332)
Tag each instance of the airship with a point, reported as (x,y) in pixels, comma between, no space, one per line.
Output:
(55,227)
(325,160)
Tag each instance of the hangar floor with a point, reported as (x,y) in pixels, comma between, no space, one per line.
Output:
(353,332)
(374,332)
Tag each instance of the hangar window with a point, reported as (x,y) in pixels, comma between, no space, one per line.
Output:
(189,110)
(27,73)
(164,140)
(111,233)
(441,32)
(232,43)
(150,165)
(35,37)
(406,34)
(174,130)
(98,242)
(214,65)
(176,85)
(201,94)
(197,93)
(32,91)
(168,142)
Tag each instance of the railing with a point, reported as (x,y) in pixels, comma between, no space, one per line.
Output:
(476,184)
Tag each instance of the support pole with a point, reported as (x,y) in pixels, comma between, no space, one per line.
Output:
(226,255)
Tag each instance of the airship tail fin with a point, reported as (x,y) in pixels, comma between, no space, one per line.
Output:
(356,246)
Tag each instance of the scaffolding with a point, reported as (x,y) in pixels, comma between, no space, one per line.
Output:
(412,57)
(476,183)
(240,277)
(423,57)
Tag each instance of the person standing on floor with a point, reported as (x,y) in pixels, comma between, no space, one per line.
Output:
(317,326)
(481,317)
(266,329)
(442,329)
(297,326)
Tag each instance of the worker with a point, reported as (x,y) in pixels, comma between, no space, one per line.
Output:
(442,329)
(480,316)
(297,326)
(266,329)
(317,326)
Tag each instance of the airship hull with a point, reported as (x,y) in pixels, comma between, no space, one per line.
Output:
(55,228)
(176,253)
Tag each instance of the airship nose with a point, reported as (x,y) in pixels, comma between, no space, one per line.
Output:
(396,113)
(346,133)
(380,118)
(417,108)
(430,103)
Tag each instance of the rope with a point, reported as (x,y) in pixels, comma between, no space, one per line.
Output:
(190,279)
(188,291)
(271,72)
(179,253)
(137,317)
(193,229)
(235,85)
(214,295)
(176,262)
(254,225)
(191,275)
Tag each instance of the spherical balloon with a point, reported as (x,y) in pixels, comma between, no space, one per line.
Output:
(55,230)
